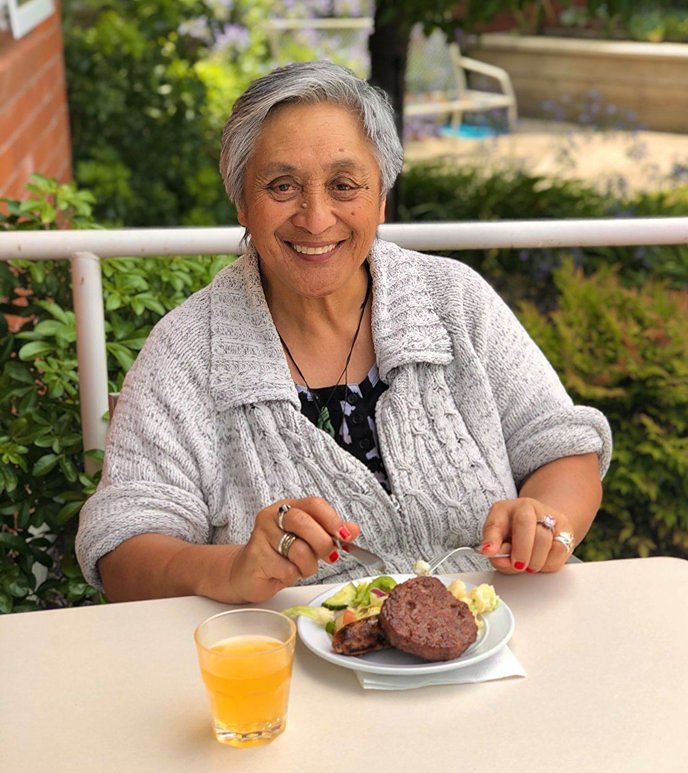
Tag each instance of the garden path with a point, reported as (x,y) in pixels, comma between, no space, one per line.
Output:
(612,159)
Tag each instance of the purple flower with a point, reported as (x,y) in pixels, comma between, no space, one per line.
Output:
(679,172)
(195,28)
(351,8)
(233,36)
(638,151)
(319,7)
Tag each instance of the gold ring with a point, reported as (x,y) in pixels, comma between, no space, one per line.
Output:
(566,539)
(285,544)
(282,510)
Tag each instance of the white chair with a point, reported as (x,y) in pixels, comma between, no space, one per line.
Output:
(437,82)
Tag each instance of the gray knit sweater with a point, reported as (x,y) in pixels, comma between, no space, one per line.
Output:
(208,428)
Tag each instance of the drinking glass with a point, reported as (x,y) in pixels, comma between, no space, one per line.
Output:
(246,658)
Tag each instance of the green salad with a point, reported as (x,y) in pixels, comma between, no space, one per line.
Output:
(354,601)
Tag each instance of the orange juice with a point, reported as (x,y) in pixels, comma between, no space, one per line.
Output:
(247,678)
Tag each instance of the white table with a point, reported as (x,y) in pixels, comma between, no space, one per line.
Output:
(605,646)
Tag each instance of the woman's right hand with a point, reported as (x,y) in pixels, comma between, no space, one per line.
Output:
(258,571)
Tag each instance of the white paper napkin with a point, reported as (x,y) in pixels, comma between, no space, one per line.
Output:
(501,665)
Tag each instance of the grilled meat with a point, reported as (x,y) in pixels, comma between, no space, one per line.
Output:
(421,617)
(360,637)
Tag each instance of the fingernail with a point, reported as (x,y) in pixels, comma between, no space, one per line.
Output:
(485,546)
(333,556)
(519,565)
(344,533)
(529,570)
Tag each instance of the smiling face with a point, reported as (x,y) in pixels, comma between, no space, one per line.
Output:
(312,199)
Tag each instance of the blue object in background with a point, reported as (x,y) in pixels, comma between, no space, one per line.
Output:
(469,131)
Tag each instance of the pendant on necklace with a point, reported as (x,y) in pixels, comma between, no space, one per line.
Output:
(324,421)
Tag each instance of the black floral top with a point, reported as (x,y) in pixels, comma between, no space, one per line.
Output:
(352,413)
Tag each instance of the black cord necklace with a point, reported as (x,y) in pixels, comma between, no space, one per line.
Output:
(324,420)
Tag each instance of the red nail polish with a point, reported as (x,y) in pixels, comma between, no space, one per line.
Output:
(344,533)
(519,565)
(530,571)
(485,546)
(333,556)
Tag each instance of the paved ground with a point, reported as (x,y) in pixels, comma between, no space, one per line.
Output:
(608,158)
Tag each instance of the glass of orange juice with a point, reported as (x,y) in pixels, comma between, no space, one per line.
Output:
(246,657)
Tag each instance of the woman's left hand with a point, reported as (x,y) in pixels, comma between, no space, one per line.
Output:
(528,530)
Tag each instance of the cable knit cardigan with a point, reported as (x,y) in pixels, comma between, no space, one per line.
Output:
(208,428)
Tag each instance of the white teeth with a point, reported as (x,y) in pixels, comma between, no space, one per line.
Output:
(313,250)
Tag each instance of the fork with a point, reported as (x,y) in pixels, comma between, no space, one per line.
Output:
(374,563)
(438,560)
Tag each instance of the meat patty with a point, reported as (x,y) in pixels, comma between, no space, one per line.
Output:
(420,616)
(360,637)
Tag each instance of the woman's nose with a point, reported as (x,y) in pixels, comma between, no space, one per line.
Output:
(315,213)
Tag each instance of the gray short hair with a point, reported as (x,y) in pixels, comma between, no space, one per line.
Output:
(308,83)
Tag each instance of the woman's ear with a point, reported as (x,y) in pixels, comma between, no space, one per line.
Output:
(381,213)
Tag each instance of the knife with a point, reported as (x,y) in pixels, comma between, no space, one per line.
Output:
(366,558)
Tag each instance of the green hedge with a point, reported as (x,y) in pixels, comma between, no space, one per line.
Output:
(150,83)
(625,351)
(440,191)
(42,481)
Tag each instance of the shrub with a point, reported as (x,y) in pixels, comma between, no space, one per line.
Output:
(42,481)
(434,192)
(150,83)
(625,351)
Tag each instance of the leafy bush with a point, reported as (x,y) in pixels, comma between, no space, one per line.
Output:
(625,351)
(659,25)
(433,192)
(42,481)
(145,79)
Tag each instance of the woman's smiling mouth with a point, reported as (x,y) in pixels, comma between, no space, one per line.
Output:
(305,249)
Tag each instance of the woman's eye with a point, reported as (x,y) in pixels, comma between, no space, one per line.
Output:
(344,188)
(282,189)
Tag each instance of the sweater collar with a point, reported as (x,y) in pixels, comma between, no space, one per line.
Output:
(247,362)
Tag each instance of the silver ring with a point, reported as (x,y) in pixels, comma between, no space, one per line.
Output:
(285,543)
(548,521)
(566,539)
(282,510)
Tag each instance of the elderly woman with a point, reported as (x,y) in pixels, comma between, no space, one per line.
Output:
(330,387)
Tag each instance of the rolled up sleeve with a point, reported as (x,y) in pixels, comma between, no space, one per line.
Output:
(153,475)
(564,432)
(116,513)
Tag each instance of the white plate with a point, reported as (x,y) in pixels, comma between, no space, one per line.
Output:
(499,626)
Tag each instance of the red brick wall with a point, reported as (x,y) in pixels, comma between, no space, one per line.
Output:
(34,121)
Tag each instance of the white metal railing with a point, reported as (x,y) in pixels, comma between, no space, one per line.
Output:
(85,249)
